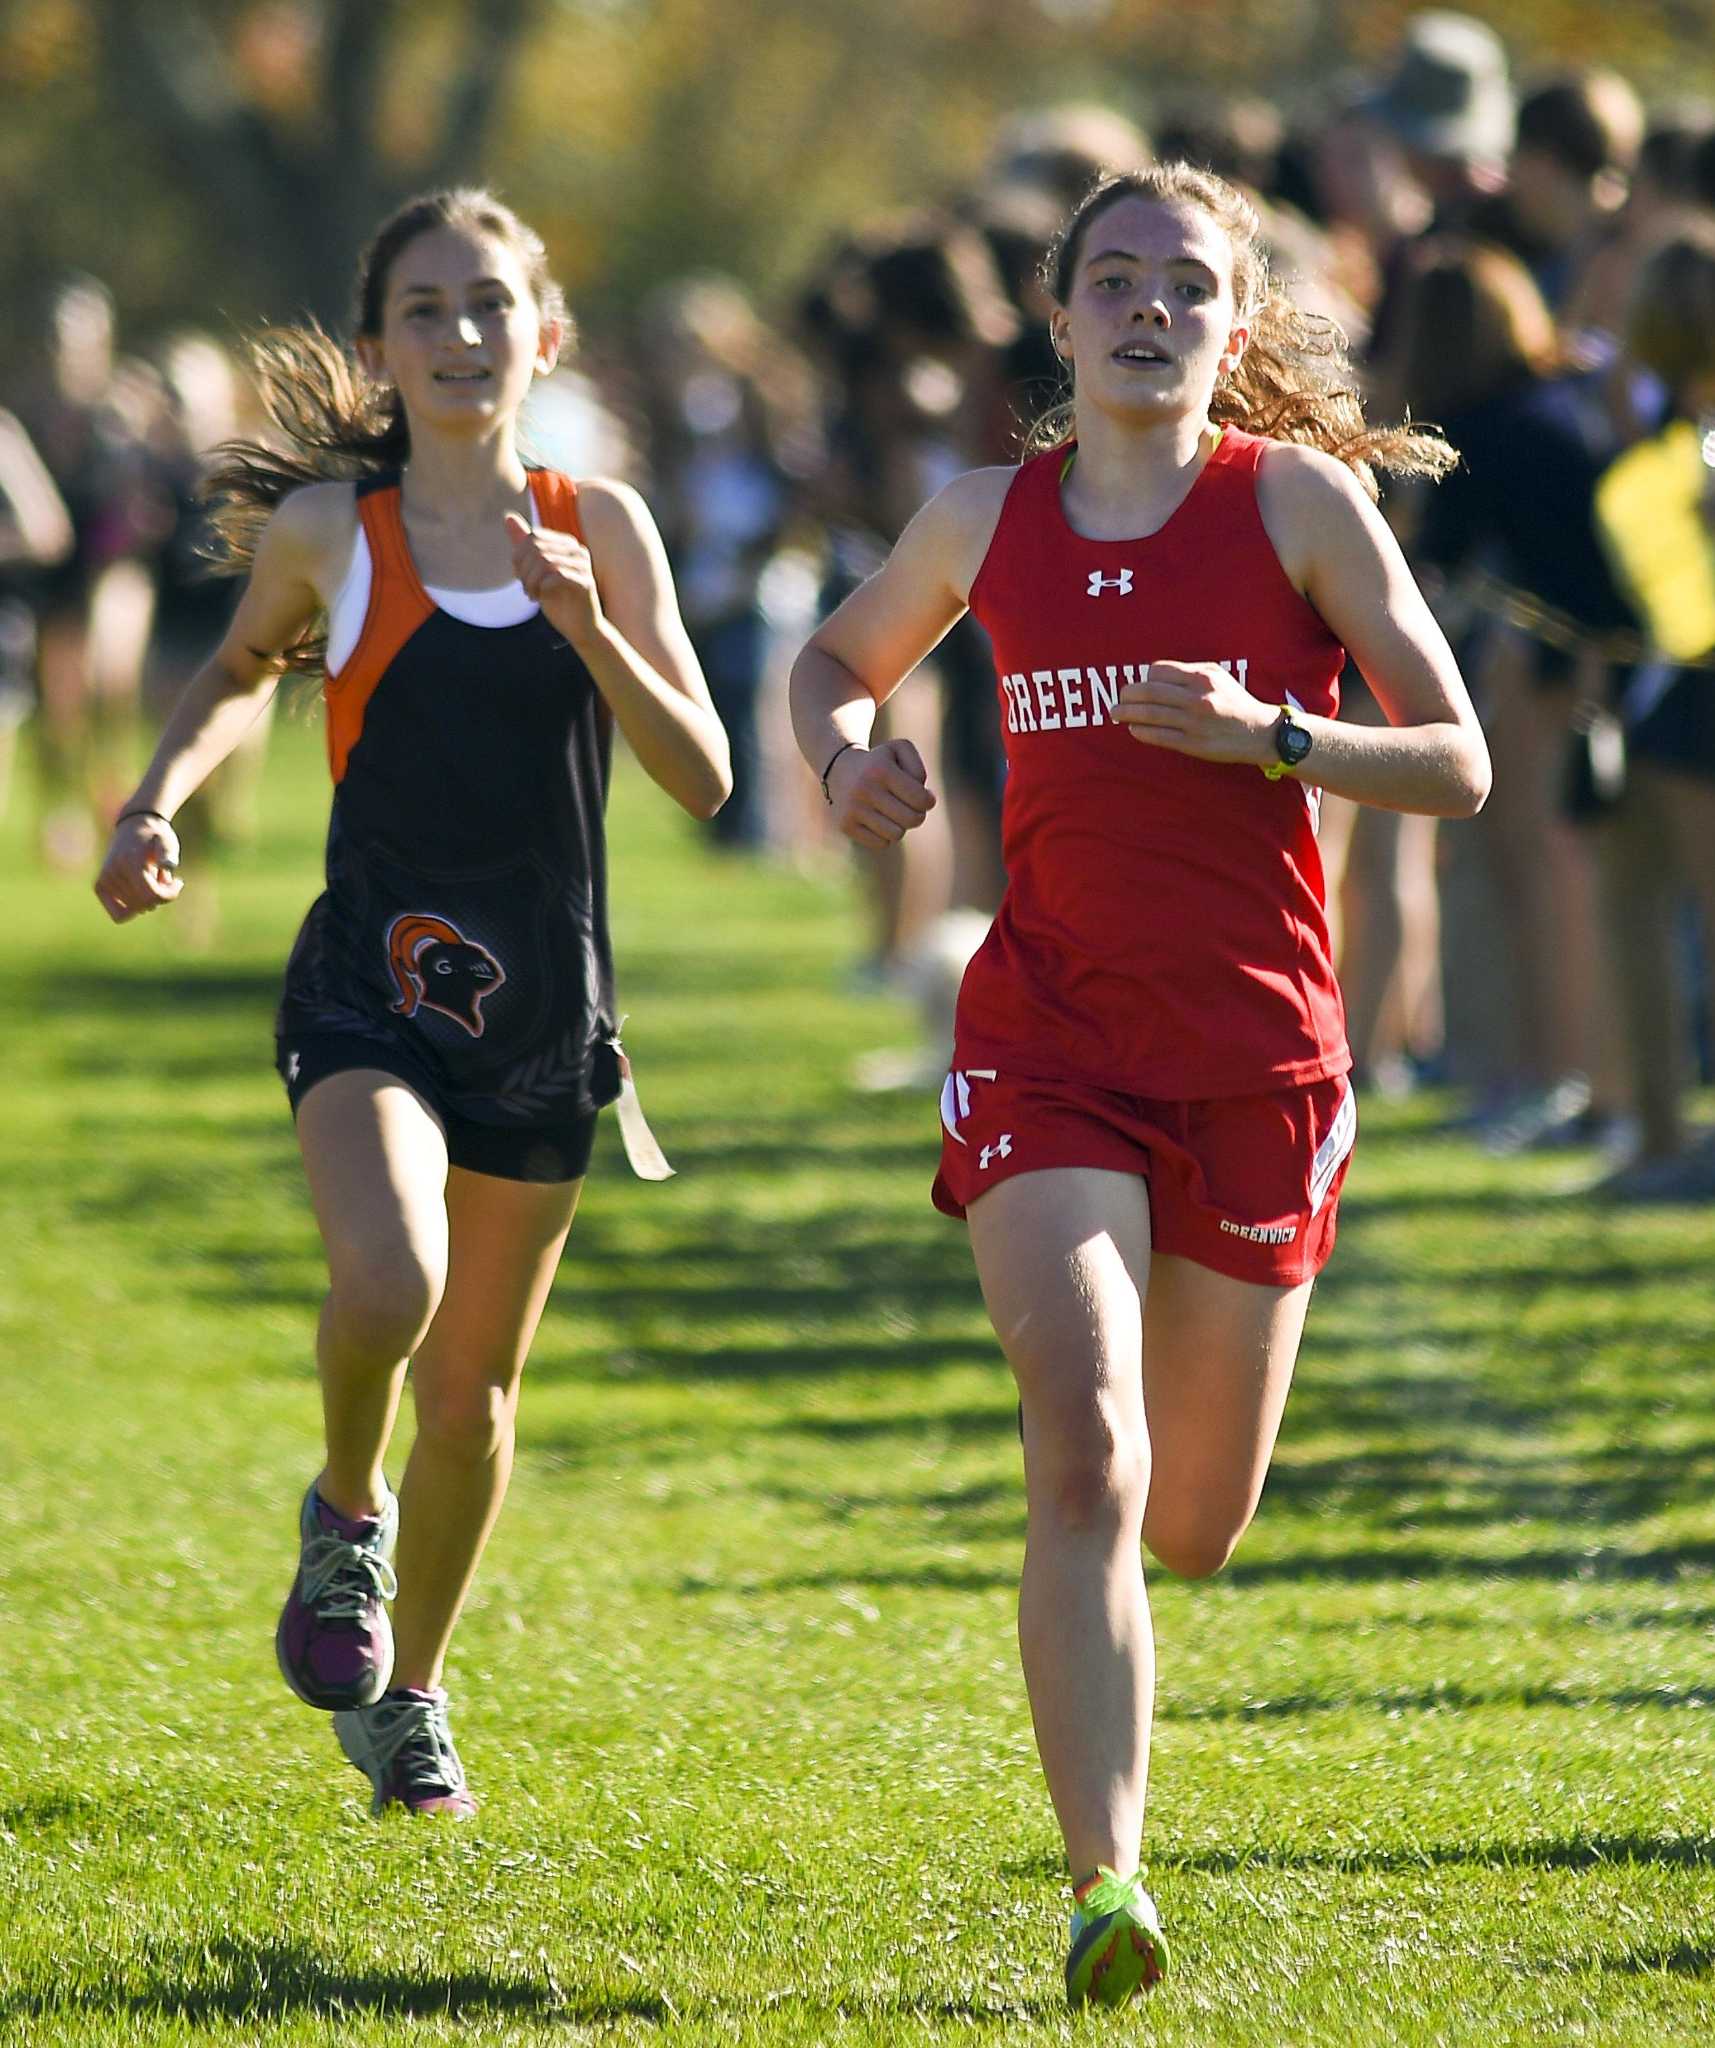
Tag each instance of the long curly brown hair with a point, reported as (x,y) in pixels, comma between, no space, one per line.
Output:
(1294,381)
(330,421)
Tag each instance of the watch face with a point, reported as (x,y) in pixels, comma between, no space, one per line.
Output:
(1291,742)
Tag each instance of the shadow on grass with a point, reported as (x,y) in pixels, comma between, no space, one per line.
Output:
(1575,1852)
(1437,1485)
(1361,1567)
(1656,1617)
(962,1424)
(202,1982)
(51,1810)
(932,1578)
(1449,1698)
(1451,1486)
(222,1019)
(959,1426)
(1352,1567)
(801,1308)
(1682,1960)
(279,1980)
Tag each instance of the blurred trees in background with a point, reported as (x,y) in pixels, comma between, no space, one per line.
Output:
(223,160)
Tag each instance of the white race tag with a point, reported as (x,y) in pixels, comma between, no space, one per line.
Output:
(644,1156)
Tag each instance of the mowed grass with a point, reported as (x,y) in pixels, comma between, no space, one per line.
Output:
(738,1687)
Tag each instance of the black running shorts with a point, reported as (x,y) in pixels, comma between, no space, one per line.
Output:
(532,1152)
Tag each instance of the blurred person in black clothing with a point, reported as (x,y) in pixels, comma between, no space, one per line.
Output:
(1512,529)
(1656,509)
(1577,145)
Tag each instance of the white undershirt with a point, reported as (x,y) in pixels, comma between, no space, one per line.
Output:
(504,605)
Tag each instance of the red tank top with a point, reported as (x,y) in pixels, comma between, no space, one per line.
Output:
(1163,931)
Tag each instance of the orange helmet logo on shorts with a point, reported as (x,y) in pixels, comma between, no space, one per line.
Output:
(435,967)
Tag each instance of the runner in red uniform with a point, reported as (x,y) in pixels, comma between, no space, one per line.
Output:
(1148,1121)
(447,1031)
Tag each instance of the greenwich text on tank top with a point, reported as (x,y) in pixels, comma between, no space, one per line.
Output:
(465,914)
(1163,931)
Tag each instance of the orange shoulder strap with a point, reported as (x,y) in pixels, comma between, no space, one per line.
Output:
(557,500)
(398,605)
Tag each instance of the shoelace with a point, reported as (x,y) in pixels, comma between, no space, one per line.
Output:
(415,1735)
(341,1578)
(1109,1894)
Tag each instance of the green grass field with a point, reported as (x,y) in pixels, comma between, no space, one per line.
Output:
(738,1686)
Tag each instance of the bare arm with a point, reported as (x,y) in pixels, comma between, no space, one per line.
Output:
(225,696)
(615,603)
(1336,548)
(862,652)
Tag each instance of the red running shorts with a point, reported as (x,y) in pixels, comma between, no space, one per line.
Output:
(1248,1185)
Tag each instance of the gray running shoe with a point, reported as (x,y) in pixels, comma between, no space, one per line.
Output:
(334,1641)
(1546,1121)
(404,1747)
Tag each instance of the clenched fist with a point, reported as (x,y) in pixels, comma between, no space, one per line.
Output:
(880,793)
(556,571)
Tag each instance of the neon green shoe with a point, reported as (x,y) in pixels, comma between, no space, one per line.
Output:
(1117,1946)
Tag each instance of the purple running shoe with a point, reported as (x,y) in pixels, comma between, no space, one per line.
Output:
(334,1642)
(404,1747)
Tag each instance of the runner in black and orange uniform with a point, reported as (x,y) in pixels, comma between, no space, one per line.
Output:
(1147,1122)
(447,1033)
(462,940)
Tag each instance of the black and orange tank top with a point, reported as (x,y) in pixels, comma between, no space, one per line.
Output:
(465,911)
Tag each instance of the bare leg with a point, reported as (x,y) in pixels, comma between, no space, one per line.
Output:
(1688,802)
(1374,933)
(1153,1391)
(1423,1024)
(121,616)
(1064,1261)
(1218,1357)
(1636,859)
(1586,1030)
(62,737)
(505,1242)
(1511,832)
(377,1164)
(1334,844)
(1382,880)
(907,885)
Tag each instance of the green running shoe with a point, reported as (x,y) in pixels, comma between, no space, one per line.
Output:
(1117,1946)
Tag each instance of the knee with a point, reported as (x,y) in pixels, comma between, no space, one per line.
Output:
(1192,1549)
(467,1420)
(1096,1478)
(381,1309)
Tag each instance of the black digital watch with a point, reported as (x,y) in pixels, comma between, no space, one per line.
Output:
(1292,742)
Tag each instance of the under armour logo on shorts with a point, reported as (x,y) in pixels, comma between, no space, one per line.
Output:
(1099,583)
(1000,1149)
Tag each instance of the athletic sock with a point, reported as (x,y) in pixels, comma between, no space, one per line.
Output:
(351,1528)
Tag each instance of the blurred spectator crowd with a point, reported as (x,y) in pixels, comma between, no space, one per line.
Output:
(1527,263)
